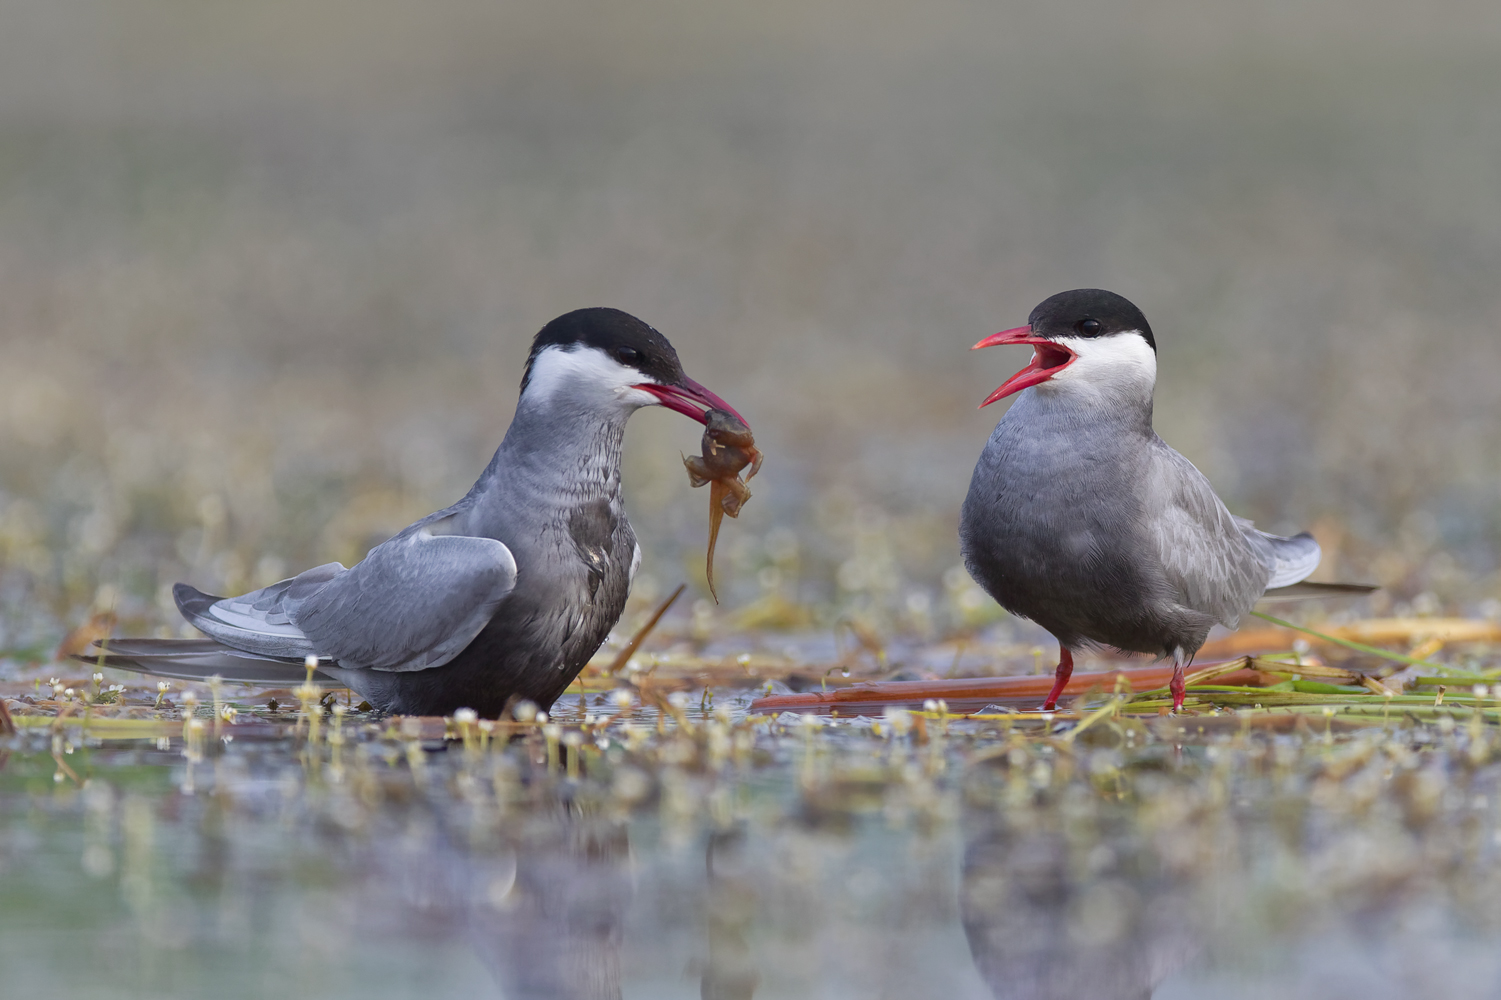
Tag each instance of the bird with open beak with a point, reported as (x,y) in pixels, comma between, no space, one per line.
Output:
(1082,519)
(504,595)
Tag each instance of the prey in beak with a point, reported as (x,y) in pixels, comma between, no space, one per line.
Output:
(728,448)
(688,398)
(1048,359)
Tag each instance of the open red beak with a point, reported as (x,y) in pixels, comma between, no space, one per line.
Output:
(690,399)
(1048,359)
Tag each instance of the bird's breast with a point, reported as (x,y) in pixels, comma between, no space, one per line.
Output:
(1050,510)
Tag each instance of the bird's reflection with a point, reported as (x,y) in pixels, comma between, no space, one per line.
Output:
(730,973)
(541,897)
(1051,918)
(1057,901)
(548,918)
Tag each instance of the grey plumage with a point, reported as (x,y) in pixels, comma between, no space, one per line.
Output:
(1082,519)
(1089,524)
(504,595)
(447,588)
(195,659)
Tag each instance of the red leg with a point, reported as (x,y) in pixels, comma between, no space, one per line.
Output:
(1177,685)
(1060,677)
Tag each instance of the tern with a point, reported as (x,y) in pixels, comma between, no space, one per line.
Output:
(503,596)
(1080,518)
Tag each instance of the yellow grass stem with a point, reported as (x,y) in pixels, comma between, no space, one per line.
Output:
(1359,647)
(102,727)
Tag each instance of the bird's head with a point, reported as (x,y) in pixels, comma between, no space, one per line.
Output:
(1087,337)
(608,359)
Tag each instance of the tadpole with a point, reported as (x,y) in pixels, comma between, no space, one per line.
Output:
(728,447)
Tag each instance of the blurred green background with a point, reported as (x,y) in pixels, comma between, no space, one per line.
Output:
(268,272)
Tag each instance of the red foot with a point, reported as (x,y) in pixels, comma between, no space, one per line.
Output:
(1060,678)
(1177,687)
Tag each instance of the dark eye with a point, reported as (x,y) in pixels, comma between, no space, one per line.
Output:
(1089,327)
(628,356)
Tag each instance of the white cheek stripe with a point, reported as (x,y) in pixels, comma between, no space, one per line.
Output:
(584,374)
(1122,359)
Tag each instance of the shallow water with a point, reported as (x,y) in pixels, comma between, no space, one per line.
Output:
(268,282)
(729,856)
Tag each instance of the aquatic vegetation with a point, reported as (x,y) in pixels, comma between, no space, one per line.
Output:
(238,342)
(653,815)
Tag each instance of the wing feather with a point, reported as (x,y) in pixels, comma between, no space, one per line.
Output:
(413,602)
(1205,554)
(256,622)
(1292,558)
(200,659)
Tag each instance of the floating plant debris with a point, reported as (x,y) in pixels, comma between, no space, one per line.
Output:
(603,841)
(728,447)
(1294,802)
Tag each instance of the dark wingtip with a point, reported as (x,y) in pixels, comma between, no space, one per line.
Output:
(199,659)
(1306,589)
(192,602)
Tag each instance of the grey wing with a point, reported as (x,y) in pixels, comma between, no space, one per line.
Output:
(258,622)
(1207,558)
(1291,559)
(414,602)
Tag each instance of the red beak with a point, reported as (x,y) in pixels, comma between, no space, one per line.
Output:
(690,399)
(1048,359)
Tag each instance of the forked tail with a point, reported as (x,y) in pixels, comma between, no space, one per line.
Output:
(200,659)
(1305,591)
(1292,560)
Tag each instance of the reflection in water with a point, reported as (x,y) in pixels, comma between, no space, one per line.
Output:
(1044,923)
(542,899)
(1068,903)
(553,930)
(829,861)
(546,914)
(730,973)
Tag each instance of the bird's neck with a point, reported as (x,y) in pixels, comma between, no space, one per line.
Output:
(555,453)
(1124,404)
(1109,381)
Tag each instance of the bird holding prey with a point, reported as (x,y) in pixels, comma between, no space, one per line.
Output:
(504,595)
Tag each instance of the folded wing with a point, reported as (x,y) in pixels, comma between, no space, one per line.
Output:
(414,602)
(1206,555)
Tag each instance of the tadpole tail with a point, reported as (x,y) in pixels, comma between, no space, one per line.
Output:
(716,515)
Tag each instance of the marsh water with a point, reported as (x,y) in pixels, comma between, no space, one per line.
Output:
(721,855)
(268,276)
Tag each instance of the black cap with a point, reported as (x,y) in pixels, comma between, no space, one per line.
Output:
(1088,312)
(618,334)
